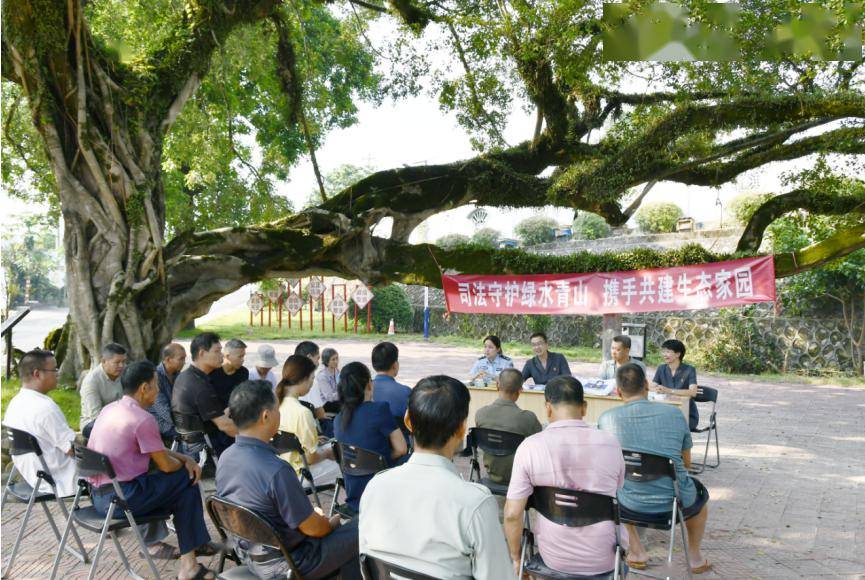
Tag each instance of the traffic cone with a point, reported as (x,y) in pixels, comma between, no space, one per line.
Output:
(391,329)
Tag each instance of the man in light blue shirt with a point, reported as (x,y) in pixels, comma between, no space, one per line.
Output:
(651,427)
(385,361)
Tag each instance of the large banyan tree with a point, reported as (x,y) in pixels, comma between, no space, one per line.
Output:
(153,121)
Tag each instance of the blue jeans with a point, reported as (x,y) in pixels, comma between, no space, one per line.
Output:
(163,492)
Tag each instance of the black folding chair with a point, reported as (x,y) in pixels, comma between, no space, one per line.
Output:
(357,462)
(90,463)
(708,395)
(574,509)
(21,443)
(644,467)
(285,442)
(192,436)
(237,522)
(375,569)
(493,442)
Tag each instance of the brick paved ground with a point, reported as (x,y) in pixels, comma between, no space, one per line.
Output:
(787,502)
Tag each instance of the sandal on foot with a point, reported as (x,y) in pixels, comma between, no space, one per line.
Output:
(201,573)
(165,552)
(705,567)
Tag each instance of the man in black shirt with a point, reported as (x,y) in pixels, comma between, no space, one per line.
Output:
(194,395)
(232,372)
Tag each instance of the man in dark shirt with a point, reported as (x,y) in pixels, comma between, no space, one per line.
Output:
(545,365)
(385,361)
(173,359)
(232,372)
(504,415)
(194,395)
(252,475)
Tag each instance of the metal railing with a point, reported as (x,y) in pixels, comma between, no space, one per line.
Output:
(6,333)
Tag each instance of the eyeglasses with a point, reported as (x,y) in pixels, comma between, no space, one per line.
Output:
(49,370)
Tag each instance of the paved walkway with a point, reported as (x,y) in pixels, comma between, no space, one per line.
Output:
(787,502)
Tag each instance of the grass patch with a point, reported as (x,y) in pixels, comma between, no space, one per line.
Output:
(66,397)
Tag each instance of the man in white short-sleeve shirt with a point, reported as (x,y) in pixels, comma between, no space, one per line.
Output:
(422,515)
(33,411)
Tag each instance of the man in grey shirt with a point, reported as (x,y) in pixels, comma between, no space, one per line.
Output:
(102,384)
(620,351)
(503,414)
(422,515)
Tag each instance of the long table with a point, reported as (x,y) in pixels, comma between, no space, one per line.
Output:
(534,401)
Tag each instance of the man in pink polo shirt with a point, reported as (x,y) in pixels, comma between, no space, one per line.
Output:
(568,454)
(129,435)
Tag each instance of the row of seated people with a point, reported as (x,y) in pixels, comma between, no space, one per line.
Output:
(224,370)
(355,385)
(423,516)
(32,411)
(672,377)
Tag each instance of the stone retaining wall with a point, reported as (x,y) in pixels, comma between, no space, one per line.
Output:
(808,345)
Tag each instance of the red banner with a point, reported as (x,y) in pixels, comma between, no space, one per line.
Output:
(715,285)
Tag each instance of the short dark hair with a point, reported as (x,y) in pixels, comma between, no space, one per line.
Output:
(384,355)
(631,379)
(171,350)
(564,390)
(623,339)
(328,354)
(234,344)
(202,343)
(306,348)
(141,371)
(31,361)
(248,400)
(112,349)
(437,406)
(539,334)
(510,381)
(676,346)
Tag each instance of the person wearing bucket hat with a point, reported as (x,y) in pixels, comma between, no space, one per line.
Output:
(263,364)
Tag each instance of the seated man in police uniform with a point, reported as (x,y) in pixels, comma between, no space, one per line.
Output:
(487,368)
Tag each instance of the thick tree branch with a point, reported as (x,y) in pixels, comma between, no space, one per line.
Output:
(847,140)
(815,202)
(205,266)
(841,244)
(184,57)
(648,156)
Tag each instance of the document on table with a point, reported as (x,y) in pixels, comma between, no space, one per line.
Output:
(598,387)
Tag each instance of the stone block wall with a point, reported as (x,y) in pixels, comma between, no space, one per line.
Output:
(809,345)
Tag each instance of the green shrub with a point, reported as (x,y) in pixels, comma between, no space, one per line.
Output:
(450,241)
(739,347)
(743,206)
(536,230)
(590,226)
(390,302)
(487,237)
(658,218)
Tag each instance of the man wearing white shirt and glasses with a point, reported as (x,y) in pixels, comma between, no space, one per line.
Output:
(33,411)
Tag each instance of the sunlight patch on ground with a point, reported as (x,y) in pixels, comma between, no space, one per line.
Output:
(770,451)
